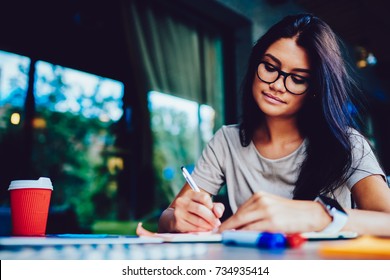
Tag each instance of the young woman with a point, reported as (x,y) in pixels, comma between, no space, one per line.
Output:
(297,140)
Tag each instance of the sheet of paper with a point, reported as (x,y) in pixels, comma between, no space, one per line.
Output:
(181,237)
(329,236)
(190,237)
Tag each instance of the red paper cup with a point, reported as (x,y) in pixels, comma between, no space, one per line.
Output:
(30,200)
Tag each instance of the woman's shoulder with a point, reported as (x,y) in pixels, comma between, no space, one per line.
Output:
(353,131)
(360,143)
(356,137)
(230,128)
(227,133)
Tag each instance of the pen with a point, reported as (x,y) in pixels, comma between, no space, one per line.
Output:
(189,179)
(265,240)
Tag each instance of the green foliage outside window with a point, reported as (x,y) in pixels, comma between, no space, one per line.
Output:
(73,140)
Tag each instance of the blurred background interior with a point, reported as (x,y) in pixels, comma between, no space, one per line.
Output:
(110,98)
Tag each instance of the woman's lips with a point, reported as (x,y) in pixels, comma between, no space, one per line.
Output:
(273,99)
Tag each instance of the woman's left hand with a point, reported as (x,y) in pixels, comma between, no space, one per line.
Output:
(267,212)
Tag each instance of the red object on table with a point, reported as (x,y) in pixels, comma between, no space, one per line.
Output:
(295,240)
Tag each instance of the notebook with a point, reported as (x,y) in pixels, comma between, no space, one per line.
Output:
(190,237)
(329,236)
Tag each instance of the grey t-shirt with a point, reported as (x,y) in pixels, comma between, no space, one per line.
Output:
(245,171)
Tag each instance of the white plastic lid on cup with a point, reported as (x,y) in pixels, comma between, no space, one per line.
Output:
(41,183)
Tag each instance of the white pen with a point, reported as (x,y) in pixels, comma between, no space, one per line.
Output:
(189,179)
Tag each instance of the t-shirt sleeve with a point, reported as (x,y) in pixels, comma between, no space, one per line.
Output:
(364,161)
(208,172)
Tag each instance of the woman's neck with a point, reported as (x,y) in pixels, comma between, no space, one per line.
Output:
(278,131)
(276,138)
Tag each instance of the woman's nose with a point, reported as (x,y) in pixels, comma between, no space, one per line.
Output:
(278,85)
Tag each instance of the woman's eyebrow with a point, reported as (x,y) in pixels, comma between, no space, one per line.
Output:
(273,58)
(277,61)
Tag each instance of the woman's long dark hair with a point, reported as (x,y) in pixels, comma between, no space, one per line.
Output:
(324,118)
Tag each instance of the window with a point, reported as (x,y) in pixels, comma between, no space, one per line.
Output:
(182,56)
(181,128)
(13,90)
(74,134)
(72,142)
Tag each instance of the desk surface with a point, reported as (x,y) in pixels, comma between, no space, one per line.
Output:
(197,251)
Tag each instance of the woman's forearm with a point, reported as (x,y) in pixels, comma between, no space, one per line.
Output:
(368,222)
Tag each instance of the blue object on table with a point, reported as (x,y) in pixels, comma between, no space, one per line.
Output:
(272,240)
(5,221)
(265,240)
(80,235)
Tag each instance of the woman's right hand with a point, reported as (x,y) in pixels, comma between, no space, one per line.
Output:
(191,212)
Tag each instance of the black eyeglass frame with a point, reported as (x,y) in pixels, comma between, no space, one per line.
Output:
(284,74)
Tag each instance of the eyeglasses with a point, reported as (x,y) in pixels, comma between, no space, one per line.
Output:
(294,83)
